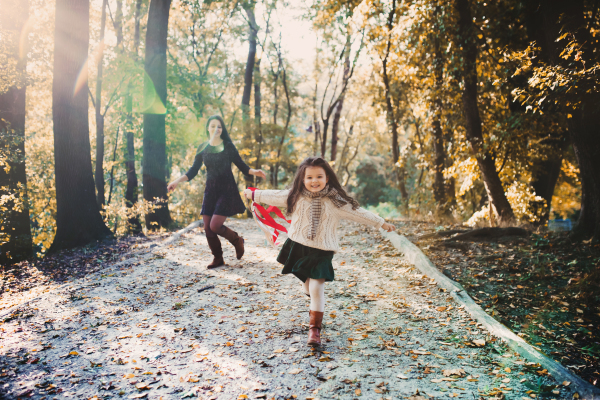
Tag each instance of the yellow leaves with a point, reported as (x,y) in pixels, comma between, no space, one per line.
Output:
(73,353)
(357,392)
(129,376)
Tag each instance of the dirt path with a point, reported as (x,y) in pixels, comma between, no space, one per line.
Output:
(141,329)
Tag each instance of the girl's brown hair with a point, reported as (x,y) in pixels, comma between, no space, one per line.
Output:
(298,185)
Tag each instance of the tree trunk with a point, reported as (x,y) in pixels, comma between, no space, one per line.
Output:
(285,128)
(338,110)
(252,34)
(154,143)
(583,129)
(324,137)
(78,220)
(99,173)
(392,121)
(545,175)
(257,112)
(439,192)
(131,191)
(15,236)
(473,126)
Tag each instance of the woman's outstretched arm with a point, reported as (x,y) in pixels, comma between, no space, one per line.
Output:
(242,166)
(188,176)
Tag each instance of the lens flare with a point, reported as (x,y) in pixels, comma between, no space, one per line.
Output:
(25,31)
(82,77)
(152,102)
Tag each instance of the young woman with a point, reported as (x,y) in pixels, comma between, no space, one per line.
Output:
(317,202)
(221,196)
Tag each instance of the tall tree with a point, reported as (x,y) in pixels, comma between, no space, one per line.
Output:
(335,126)
(15,236)
(439,186)
(252,40)
(560,28)
(131,191)
(155,141)
(391,117)
(474,131)
(78,219)
(99,173)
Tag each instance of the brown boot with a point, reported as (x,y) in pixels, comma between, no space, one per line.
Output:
(314,328)
(215,247)
(236,240)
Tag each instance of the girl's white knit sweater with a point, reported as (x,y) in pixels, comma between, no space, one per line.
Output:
(331,215)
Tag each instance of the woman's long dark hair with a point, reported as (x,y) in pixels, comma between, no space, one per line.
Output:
(298,184)
(224,134)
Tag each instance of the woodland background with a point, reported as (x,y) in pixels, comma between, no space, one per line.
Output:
(465,111)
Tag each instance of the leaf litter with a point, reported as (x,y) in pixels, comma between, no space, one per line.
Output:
(138,327)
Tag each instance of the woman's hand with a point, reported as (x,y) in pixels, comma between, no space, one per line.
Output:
(388,227)
(259,173)
(248,194)
(171,186)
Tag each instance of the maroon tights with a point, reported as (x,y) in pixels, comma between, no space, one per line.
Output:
(213,225)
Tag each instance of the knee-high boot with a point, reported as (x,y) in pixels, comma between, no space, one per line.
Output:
(215,247)
(236,240)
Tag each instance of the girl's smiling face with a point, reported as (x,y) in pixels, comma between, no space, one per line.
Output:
(315,179)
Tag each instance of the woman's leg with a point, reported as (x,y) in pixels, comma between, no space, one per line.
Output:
(209,232)
(316,288)
(216,225)
(214,243)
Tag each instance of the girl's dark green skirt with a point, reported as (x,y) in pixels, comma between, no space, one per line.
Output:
(306,262)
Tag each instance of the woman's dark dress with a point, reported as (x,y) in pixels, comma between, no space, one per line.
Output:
(221,195)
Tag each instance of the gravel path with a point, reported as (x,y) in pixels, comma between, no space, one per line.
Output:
(142,328)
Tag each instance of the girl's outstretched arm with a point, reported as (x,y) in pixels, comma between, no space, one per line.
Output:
(361,216)
(276,198)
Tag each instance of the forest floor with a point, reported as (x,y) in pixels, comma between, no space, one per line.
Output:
(543,286)
(138,324)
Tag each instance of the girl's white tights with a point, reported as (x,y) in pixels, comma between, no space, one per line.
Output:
(316,289)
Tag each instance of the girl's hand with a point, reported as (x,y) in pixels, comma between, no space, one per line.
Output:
(172,186)
(259,173)
(248,194)
(388,227)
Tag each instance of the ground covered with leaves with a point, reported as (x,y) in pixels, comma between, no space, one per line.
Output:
(154,323)
(545,287)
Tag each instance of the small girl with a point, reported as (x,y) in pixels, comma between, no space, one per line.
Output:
(317,202)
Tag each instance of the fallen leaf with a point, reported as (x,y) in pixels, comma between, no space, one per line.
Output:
(73,353)
(479,342)
(457,371)
(401,376)
(295,371)
(218,388)
(279,351)
(357,392)
(441,308)
(507,370)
